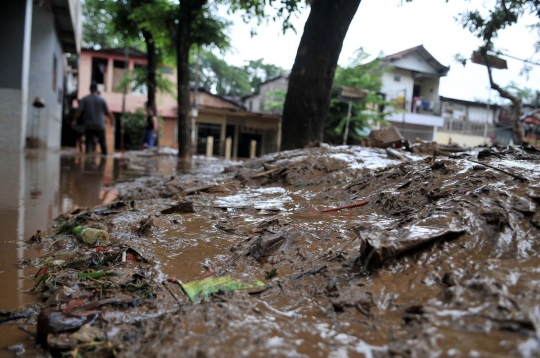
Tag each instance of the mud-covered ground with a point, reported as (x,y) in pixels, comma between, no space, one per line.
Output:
(442,261)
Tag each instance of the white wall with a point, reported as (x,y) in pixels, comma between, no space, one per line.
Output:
(471,112)
(429,90)
(44,47)
(393,88)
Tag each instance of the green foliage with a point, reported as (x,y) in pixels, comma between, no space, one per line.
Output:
(258,72)
(275,101)
(134,125)
(217,75)
(527,95)
(136,79)
(360,75)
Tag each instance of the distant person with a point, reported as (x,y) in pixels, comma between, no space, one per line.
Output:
(93,110)
(151,130)
(77,123)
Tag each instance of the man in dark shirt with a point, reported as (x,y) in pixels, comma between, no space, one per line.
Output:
(93,110)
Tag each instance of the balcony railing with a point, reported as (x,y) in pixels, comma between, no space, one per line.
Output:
(430,108)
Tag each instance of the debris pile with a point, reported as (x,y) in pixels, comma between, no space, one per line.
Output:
(321,251)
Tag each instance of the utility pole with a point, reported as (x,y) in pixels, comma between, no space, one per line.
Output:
(195,110)
(487,116)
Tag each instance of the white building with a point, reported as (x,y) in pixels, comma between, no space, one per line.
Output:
(413,83)
(34,36)
(258,102)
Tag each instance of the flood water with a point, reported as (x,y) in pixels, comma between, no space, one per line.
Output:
(36,188)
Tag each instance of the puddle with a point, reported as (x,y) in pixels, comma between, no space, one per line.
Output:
(36,188)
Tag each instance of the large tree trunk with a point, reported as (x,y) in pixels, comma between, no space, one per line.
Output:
(517,104)
(151,81)
(310,82)
(188,11)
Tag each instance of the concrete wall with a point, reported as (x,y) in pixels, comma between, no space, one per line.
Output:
(461,139)
(413,131)
(397,83)
(469,112)
(15,27)
(45,46)
(257,102)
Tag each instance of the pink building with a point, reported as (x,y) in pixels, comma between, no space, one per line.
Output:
(217,116)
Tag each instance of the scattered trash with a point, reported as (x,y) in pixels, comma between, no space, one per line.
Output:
(196,290)
(91,236)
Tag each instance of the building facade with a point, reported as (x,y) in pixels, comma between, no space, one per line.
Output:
(217,116)
(35,36)
(268,92)
(413,83)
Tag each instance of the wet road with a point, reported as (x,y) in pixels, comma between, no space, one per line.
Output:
(36,188)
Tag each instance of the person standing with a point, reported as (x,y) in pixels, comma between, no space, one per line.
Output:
(93,110)
(151,130)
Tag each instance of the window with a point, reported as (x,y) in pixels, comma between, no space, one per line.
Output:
(250,105)
(99,71)
(118,75)
(397,78)
(54,73)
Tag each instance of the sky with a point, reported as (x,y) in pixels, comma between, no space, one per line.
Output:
(390,26)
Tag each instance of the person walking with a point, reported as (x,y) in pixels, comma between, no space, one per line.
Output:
(93,110)
(151,130)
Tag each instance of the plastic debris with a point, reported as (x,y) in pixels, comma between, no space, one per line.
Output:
(196,290)
(91,236)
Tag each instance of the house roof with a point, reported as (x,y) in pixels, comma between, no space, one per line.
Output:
(465,102)
(422,52)
(68,19)
(133,52)
(223,98)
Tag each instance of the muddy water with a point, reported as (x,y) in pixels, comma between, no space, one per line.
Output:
(35,188)
(443,261)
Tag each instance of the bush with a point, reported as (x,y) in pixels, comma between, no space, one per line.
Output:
(134,125)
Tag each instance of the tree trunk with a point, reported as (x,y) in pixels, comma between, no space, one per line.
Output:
(188,11)
(151,82)
(310,82)
(517,105)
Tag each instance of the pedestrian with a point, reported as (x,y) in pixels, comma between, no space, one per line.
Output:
(93,110)
(77,123)
(151,130)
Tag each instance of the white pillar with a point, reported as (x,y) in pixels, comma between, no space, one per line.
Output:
(209,146)
(253,149)
(228,147)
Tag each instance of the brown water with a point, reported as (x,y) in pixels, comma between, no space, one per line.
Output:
(443,261)
(36,188)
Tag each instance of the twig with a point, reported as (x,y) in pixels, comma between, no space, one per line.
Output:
(355,205)
(500,170)
(170,291)
(267,172)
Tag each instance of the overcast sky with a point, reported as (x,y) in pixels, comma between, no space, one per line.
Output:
(389,26)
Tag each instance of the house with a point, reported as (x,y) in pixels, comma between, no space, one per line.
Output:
(217,116)
(267,93)
(35,36)
(467,123)
(413,82)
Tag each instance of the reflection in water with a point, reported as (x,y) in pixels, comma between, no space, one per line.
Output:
(36,187)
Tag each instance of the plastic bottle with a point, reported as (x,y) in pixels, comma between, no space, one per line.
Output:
(91,236)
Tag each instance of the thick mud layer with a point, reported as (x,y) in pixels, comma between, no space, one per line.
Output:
(443,260)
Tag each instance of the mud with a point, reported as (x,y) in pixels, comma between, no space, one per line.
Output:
(442,261)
